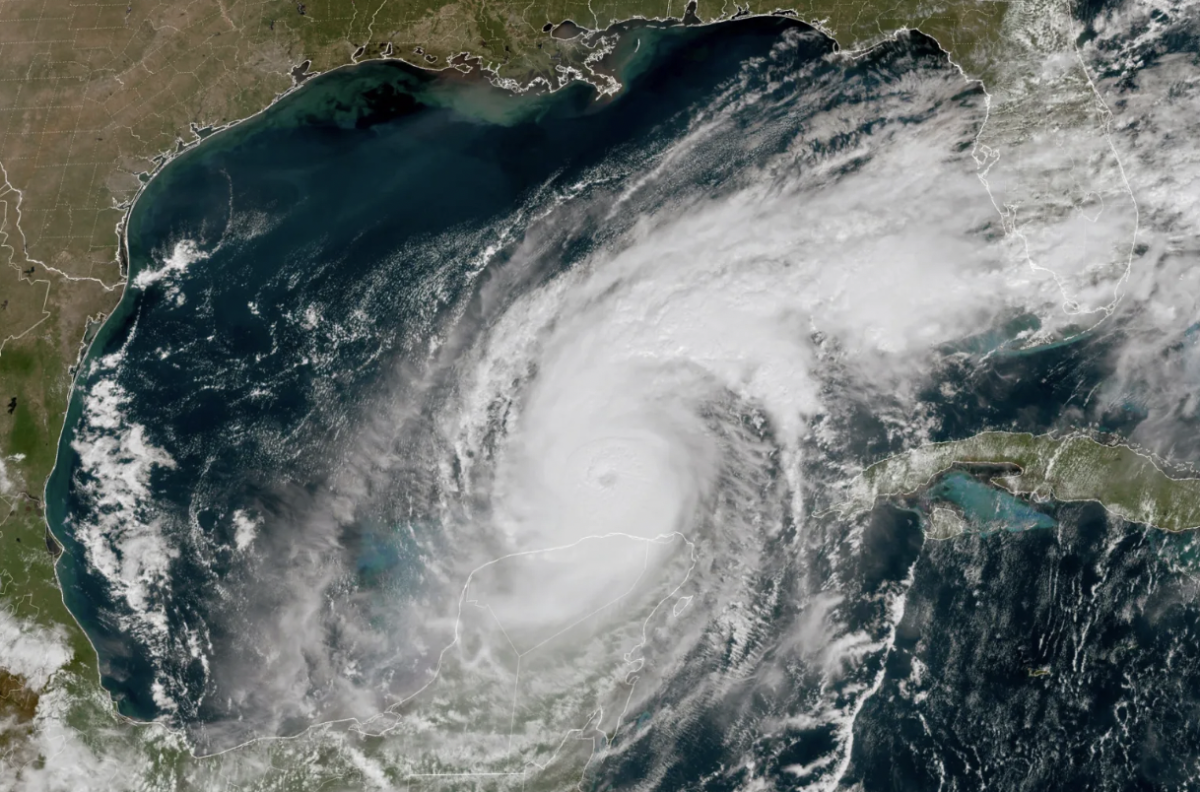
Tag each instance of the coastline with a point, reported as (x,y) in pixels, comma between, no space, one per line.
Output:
(133,263)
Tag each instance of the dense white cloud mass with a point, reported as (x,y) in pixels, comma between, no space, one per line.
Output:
(123,535)
(632,431)
(1158,361)
(609,471)
(607,437)
(30,651)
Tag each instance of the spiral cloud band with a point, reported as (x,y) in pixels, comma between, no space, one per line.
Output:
(582,491)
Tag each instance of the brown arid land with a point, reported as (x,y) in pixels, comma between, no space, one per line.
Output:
(95,97)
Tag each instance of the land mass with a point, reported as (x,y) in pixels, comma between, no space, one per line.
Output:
(96,97)
(1128,483)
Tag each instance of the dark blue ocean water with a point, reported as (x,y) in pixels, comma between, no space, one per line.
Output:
(290,273)
(333,234)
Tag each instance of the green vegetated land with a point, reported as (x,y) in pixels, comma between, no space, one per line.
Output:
(513,39)
(37,386)
(1126,482)
(96,97)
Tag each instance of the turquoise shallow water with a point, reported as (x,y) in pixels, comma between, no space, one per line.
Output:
(988,508)
(314,279)
(279,271)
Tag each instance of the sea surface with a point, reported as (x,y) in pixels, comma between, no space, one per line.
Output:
(280,269)
(411,370)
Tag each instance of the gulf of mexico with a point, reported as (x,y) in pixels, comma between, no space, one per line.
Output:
(279,271)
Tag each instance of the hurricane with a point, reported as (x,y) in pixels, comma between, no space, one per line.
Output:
(514,444)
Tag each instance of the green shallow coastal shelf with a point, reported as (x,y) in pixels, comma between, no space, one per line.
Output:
(1077,468)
